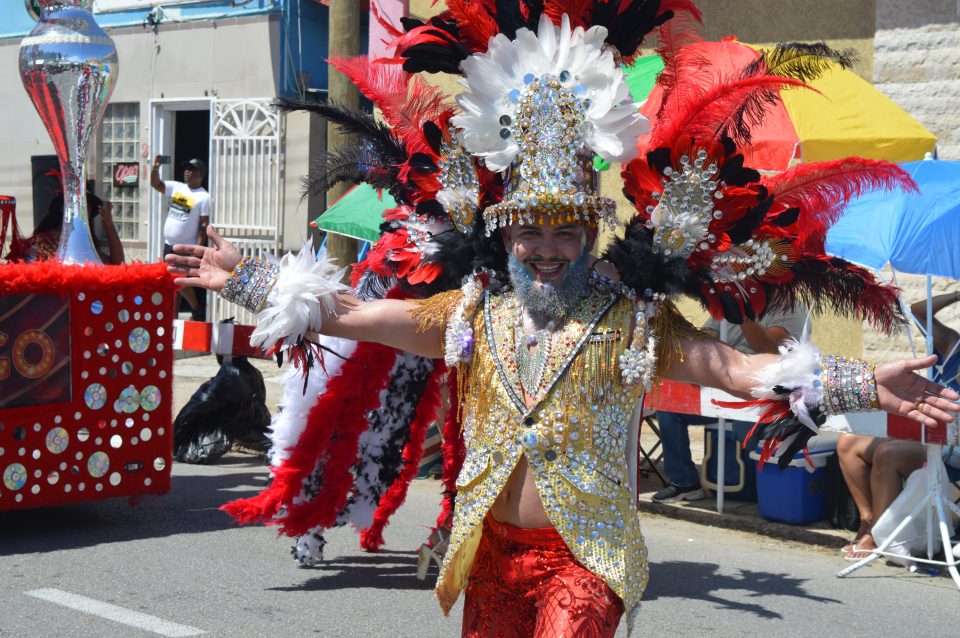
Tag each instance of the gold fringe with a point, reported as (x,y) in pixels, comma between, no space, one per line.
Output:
(434,312)
(669,329)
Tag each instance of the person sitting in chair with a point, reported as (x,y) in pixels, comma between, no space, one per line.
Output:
(765,335)
(875,468)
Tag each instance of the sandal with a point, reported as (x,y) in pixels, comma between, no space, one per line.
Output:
(433,553)
(857,553)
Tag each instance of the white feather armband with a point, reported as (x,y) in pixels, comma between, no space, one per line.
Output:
(307,286)
(290,298)
(816,385)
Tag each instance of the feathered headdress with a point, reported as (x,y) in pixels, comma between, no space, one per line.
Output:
(709,226)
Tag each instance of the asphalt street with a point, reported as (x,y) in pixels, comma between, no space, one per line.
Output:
(176,566)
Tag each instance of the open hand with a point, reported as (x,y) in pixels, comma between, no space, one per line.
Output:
(204,266)
(900,390)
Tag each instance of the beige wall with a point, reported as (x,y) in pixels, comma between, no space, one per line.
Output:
(233,58)
(918,64)
(840,23)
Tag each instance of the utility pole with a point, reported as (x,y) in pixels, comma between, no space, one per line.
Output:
(343,41)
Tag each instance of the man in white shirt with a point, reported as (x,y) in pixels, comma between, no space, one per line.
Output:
(187,217)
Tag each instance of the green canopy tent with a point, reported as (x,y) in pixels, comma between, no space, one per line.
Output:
(357,214)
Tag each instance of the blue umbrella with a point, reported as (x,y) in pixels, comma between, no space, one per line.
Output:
(914,232)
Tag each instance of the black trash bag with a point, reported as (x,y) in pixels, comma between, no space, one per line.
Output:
(842,512)
(229,408)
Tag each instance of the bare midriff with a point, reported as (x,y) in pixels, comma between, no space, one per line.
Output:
(519,503)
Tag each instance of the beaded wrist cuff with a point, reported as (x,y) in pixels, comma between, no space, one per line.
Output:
(250,283)
(848,385)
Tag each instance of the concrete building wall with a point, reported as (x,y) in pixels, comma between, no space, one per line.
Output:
(918,64)
(841,24)
(230,58)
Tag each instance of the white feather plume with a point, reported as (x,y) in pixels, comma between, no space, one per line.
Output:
(288,424)
(614,121)
(306,287)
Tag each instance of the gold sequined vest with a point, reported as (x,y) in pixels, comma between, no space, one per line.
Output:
(574,439)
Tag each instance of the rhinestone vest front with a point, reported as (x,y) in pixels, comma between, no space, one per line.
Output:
(574,439)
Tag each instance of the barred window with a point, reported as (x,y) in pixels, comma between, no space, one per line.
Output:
(120,142)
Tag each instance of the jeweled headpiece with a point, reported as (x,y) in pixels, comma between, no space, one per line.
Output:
(537,108)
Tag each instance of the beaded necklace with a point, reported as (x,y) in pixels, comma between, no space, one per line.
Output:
(531,365)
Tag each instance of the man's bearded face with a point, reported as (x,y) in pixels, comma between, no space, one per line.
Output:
(549,267)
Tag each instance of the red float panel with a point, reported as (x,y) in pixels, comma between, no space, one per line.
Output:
(86,363)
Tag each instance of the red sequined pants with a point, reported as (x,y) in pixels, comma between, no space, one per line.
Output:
(526,582)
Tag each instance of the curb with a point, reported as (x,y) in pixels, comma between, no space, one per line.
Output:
(829,538)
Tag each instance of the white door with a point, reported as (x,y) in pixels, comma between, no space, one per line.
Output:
(246,164)
(162,135)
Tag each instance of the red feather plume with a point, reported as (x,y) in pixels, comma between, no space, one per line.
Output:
(407,102)
(683,66)
(577,10)
(821,189)
(715,113)
(476,21)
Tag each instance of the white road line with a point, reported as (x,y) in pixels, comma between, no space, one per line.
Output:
(114,613)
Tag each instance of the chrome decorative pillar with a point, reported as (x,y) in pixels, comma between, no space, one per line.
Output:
(68,65)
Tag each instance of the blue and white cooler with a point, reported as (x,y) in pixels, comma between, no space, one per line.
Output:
(796,493)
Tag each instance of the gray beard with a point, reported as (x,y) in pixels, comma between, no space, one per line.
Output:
(545,302)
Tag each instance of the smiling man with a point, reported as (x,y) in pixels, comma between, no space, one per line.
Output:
(552,354)
(545,529)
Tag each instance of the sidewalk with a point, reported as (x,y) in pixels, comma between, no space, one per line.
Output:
(739,515)
(191,370)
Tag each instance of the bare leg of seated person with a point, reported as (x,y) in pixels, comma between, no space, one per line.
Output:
(856,454)
(893,462)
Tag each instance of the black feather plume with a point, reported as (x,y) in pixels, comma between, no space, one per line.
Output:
(627,28)
(375,158)
(352,164)
(510,17)
(642,268)
(463,253)
(830,283)
(743,229)
(433,57)
(353,122)
(800,60)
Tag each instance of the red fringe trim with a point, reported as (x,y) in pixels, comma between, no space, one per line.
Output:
(371,539)
(334,425)
(54,277)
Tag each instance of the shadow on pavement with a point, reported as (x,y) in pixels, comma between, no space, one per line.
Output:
(702,581)
(383,570)
(190,507)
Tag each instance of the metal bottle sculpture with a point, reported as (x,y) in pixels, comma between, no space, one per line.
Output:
(68,65)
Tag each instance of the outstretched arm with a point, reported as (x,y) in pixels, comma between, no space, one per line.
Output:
(944,337)
(386,321)
(900,390)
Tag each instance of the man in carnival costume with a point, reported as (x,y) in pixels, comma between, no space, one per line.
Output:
(551,354)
